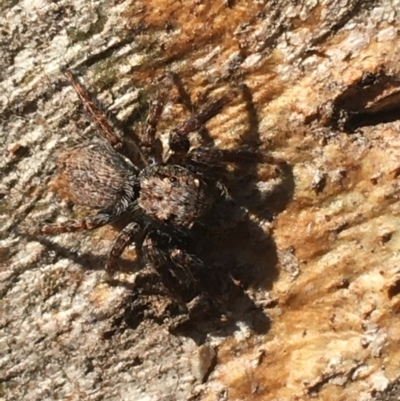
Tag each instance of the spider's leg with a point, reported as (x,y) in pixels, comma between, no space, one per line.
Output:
(214,157)
(95,113)
(124,238)
(179,141)
(69,226)
(149,134)
(131,150)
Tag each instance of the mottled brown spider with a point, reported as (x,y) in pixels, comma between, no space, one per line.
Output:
(164,201)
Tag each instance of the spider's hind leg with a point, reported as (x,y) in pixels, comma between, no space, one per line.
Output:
(69,226)
(129,149)
(93,110)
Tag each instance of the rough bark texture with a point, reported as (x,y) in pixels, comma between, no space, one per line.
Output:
(320,88)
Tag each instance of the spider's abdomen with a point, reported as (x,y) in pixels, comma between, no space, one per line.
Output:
(93,175)
(171,193)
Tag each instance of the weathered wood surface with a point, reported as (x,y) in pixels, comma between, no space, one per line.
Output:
(321,90)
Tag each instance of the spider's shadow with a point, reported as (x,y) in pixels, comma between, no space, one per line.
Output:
(266,207)
(245,256)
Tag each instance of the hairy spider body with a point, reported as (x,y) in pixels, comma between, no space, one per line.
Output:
(95,176)
(163,199)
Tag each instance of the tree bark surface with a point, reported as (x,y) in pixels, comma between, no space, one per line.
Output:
(318,85)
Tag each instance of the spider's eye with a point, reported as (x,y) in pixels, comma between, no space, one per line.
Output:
(172,179)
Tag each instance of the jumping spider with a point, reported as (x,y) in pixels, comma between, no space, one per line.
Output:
(165,200)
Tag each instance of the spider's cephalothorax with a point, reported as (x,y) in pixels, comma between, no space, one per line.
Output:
(163,200)
(171,193)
